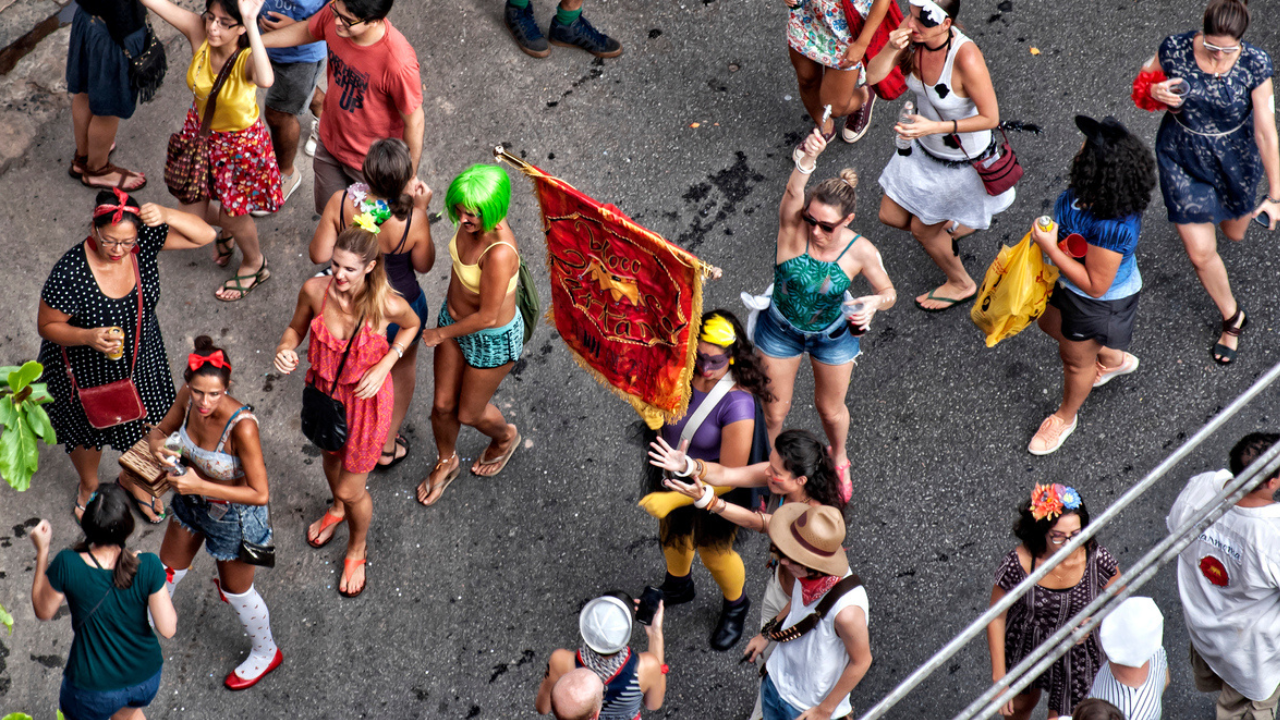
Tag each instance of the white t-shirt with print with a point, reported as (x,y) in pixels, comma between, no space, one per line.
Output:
(805,669)
(1229,580)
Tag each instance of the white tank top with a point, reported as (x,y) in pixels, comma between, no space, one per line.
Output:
(939,102)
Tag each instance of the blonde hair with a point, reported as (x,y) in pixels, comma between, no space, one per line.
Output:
(839,192)
(372,298)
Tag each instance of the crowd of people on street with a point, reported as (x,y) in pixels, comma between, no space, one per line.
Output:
(730,463)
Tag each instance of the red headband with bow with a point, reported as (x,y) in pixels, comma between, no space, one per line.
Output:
(217,359)
(120,208)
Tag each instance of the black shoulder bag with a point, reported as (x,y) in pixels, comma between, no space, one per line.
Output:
(324,418)
(147,68)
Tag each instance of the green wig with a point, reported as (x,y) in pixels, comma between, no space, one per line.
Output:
(484,190)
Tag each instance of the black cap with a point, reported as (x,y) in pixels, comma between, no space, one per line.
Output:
(1103,132)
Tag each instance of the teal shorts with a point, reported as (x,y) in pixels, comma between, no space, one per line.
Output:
(491,348)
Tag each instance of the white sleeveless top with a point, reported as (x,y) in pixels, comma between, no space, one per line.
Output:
(939,102)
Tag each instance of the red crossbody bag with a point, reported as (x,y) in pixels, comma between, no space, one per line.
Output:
(116,402)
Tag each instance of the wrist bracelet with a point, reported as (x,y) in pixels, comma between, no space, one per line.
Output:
(688,468)
(708,496)
(802,171)
(1272,200)
(700,469)
(399,351)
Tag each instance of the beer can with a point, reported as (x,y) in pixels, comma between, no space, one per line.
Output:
(116,333)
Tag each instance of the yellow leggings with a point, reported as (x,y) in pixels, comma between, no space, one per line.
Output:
(725,566)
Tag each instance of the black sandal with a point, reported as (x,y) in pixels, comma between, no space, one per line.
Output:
(1222,354)
(400,441)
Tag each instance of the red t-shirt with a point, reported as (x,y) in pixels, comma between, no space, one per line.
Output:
(370,88)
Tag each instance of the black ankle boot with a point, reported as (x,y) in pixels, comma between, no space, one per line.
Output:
(729,630)
(678,590)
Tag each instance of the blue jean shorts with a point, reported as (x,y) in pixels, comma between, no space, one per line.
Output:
(491,348)
(777,338)
(222,536)
(420,309)
(79,704)
(97,66)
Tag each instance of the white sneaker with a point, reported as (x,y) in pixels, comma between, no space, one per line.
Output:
(312,138)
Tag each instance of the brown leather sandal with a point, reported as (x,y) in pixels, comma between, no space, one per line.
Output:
(82,159)
(107,170)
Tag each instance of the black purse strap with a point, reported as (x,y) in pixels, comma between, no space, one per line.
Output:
(810,621)
(345,353)
(137,330)
(110,586)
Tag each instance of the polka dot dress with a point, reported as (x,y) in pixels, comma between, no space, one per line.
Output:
(72,289)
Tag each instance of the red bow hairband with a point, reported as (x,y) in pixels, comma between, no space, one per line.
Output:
(120,208)
(195,362)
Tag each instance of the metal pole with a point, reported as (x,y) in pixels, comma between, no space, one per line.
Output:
(979,625)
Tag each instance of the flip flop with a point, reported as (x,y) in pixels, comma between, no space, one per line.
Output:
(326,522)
(951,302)
(143,506)
(234,283)
(442,485)
(399,442)
(501,461)
(348,565)
(221,243)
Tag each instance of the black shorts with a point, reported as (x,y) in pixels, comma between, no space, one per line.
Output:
(1110,322)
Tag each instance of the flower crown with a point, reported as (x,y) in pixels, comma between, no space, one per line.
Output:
(1049,501)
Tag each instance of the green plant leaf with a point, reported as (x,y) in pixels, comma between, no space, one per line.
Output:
(40,424)
(18,454)
(39,394)
(4,373)
(25,375)
(8,411)
(6,619)
(60,716)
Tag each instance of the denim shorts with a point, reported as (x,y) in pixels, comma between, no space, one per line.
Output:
(420,309)
(79,704)
(490,348)
(294,85)
(222,536)
(777,338)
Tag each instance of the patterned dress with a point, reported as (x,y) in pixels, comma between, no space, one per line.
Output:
(1041,612)
(1208,158)
(72,289)
(819,30)
(368,421)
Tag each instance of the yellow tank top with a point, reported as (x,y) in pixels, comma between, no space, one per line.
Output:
(469,275)
(237,102)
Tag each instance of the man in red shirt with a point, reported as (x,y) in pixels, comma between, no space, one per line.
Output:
(375,90)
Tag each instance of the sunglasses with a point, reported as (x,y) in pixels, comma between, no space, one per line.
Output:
(811,221)
(712,363)
(345,20)
(1217,48)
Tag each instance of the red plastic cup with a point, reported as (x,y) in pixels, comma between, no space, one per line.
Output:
(1074,245)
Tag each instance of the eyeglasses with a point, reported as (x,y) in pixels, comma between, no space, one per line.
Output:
(1217,48)
(126,244)
(211,19)
(812,221)
(1059,537)
(345,20)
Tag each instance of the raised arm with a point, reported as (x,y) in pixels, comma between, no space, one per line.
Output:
(792,206)
(668,458)
(44,599)
(184,21)
(257,69)
(290,35)
(885,60)
(186,231)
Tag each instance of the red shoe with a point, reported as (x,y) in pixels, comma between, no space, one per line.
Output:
(235,682)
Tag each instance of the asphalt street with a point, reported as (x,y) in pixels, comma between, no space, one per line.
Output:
(467,599)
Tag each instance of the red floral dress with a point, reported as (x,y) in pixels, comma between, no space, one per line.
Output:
(368,421)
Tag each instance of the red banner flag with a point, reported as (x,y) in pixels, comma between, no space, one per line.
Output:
(626,302)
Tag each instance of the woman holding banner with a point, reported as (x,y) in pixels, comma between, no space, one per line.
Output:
(480,333)
(817,258)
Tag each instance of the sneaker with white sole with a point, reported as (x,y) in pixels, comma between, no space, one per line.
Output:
(1052,433)
(855,126)
(1105,375)
(312,138)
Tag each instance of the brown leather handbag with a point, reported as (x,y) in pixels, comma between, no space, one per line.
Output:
(140,467)
(186,166)
(116,402)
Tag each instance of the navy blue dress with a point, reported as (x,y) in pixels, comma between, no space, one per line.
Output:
(1208,159)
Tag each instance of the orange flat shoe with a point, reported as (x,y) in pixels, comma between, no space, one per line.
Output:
(347,566)
(326,522)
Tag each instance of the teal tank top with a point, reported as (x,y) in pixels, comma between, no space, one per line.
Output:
(808,292)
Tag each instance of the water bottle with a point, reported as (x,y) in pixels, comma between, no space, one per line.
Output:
(905,118)
(173,443)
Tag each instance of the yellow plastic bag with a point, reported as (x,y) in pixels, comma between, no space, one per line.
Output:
(1014,291)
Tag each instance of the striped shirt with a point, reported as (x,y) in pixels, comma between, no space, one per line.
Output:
(1140,703)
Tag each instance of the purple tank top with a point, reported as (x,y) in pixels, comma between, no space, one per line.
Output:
(735,406)
(399,265)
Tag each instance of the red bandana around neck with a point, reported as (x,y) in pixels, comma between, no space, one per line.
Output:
(813,588)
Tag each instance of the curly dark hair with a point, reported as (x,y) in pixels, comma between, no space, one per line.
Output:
(802,453)
(1114,180)
(1034,533)
(747,368)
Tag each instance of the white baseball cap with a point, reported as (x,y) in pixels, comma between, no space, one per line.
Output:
(605,624)
(1133,632)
